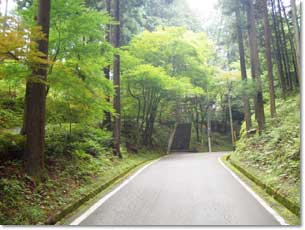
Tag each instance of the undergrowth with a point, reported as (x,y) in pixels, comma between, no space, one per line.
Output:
(275,155)
(67,178)
(219,143)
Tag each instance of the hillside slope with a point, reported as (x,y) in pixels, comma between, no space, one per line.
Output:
(274,157)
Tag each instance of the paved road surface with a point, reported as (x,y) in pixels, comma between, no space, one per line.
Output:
(182,189)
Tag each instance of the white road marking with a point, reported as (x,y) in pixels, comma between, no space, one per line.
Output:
(85,215)
(260,200)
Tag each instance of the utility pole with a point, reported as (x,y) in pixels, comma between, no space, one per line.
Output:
(209,131)
(209,122)
(231,117)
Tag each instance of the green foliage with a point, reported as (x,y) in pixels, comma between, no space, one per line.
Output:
(276,153)
(13,190)
(13,73)
(77,89)
(220,142)
(68,178)
(9,118)
(72,99)
(11,109)
(161,71)
(180,52)
(11,145)
(60,141)
(150,14)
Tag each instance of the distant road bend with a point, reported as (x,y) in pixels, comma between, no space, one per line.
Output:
(180,189)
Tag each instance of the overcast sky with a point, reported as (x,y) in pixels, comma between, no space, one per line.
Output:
(11,4)
(202,7)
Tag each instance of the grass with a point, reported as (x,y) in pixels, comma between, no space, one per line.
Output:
(67,179)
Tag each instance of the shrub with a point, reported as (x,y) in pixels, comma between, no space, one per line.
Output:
(277,151)
(91,140)
(11,145)
(11,189)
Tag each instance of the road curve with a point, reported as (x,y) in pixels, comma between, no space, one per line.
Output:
(182,189)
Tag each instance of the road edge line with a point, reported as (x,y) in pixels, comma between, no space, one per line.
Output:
(100,202)
(259,200)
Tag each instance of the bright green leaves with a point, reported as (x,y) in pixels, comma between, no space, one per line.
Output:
(180,52)
(163,71)
(149,76)
(76,31)
(182,55)
(77,88)
(78,94)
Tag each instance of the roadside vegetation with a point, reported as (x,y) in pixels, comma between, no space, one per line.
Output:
(89,89)
(274,156)
(66,179)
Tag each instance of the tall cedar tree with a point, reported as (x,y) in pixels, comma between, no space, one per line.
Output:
(284,48)
(268,54)
(116,82)
(292,47)
(107,119)
(297,36)
(247,111)
(35,101)
(278,51)
(255,68)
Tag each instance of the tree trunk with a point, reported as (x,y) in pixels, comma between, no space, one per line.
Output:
(292,47)
(278,52)
(116,82)
(284,49)
(150,119)
(35,103)
(255,69)
(247,111)
(269,58)
(297,37)
(107,119)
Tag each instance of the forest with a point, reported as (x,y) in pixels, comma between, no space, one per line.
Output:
(90,89)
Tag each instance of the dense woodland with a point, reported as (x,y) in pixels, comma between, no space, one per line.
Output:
(90,88)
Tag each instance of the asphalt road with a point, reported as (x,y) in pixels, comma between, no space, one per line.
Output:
(182,189)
